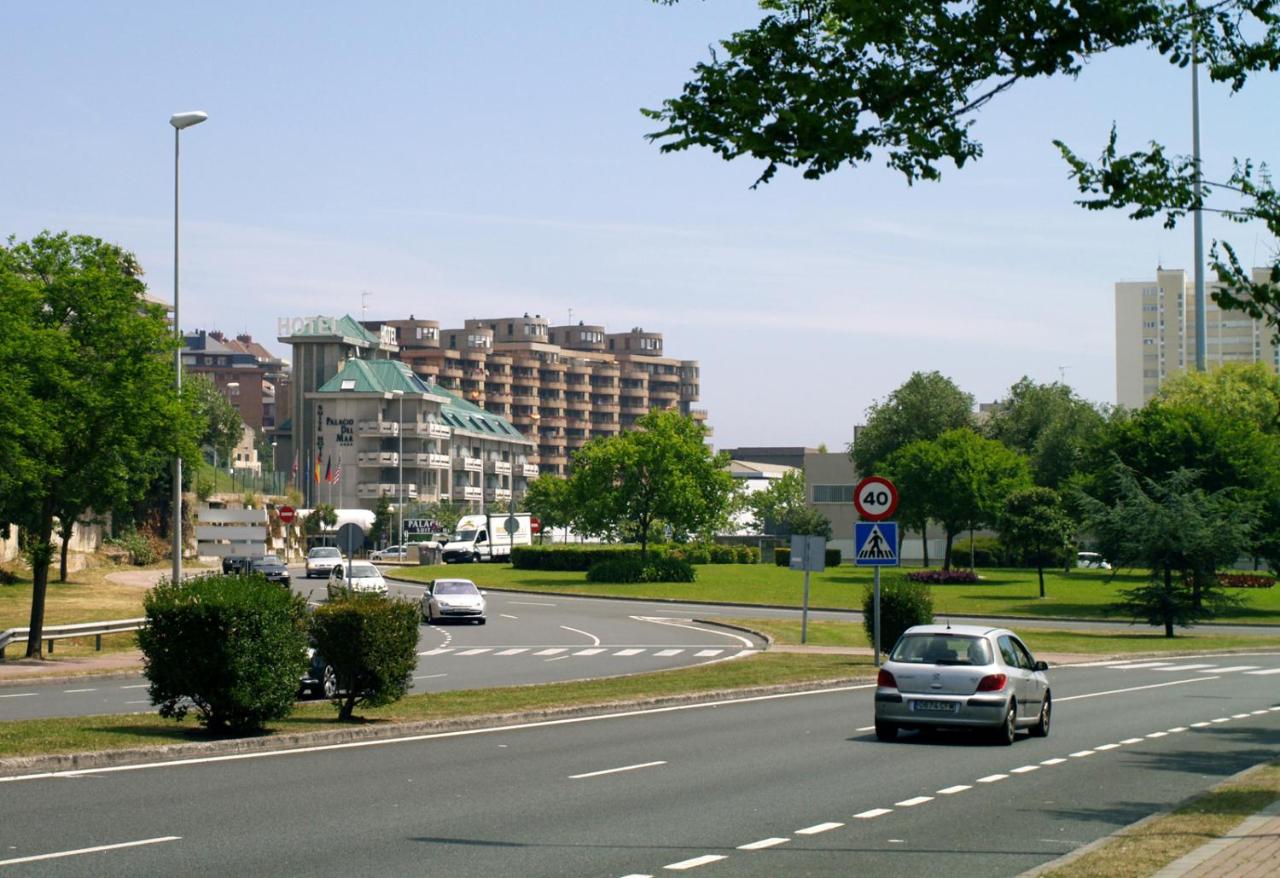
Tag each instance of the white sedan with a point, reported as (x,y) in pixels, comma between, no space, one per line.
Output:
(390,553)
(452,599)
(359,576)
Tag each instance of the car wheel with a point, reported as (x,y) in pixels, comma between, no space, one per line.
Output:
(886,731)
(1008,730)
(431,620)
(1041,728)
(330,683)
(475,558)
(481,621)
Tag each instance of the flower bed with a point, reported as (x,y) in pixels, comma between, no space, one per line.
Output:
(944,577)
(1245,580)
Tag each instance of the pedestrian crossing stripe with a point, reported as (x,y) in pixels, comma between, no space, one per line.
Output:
(875,543)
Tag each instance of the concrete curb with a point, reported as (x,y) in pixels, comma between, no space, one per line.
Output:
(38,679)
(21,765)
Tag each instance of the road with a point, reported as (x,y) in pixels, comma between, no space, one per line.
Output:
(793,785)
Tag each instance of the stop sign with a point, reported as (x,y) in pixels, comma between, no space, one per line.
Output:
(534,524)
(287,514)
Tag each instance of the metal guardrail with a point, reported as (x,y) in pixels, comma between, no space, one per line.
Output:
(50,633)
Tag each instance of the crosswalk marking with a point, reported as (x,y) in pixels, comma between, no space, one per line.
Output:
(478,651)
(1268,672)
(516,651)
(664,653)
(555,650)
(589,652)
(707,653)
(438,651)
(629,652)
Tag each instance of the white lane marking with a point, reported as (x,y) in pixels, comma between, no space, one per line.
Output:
(1252,713)
(443,649)
(596,651)
(1239,715)
(1133,740)
(1221,719)
(555,650)
(637,875)
(18,695)
(951,791)
(1024,769)
(92,850)
(435,736)
(1134,667)
(675,623)
(874,812)
(1057,760)
(638,651)
(1185,668)
(1176,729)
(668,652)
(595,641)
(509,616)
(1274,708)
(143,701)
(616,770)
(707,652)
(1268,672)
(762,844)
(1233,669)
(1135,688)
(531,604)
(1200,725)
(1080,754)
(558,658)
(1158,735)
(136,686)
(695,862)
(1106,746)
(75,691)
(818,827)
(516,651)
(912,802)
(476,651)
(430,676)
(992,778)
(864,728)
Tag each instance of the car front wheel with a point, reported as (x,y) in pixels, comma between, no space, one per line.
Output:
(1041,728)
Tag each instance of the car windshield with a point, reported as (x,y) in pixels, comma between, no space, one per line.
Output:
(323,553)
(942,649)
(465,536)
(455,588)
(364,571)
(267,561)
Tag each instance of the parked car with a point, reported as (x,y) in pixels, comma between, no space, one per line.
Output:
(962,676)
(321,560)
(235,563)
(390,553)
(363,578)
(453,599)
(1092,560)
(319,680)
(272,568)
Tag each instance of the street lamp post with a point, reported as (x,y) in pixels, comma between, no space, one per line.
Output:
(400,477)
(178,121)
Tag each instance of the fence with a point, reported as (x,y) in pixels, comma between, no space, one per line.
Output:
(50,633)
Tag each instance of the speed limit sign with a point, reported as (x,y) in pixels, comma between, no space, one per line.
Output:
(875,498)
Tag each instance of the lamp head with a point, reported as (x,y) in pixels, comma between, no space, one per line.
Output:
(186,120)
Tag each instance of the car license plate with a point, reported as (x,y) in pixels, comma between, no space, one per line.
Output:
(934,706)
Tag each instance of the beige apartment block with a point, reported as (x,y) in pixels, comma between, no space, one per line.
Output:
(559,385)
(1156,334)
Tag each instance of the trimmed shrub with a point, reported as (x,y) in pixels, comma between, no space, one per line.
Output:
(695,553)
(628,570)
(782,556)
(1245,580)
(722,554)
(572,557)
(943,577)
(832,558)
(232,647)
(902,604)
(667,569)
(371,641)
(746,554)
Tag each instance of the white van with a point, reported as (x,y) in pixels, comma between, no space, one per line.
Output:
(1092,560)
(488,537)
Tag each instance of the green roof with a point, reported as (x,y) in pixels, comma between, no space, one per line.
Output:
(347,327)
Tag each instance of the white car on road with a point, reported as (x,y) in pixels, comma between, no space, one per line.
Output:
(362,578)
(453,599)
(390,553)
(321,560)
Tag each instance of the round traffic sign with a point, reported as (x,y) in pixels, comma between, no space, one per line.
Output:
(875,498)
(286,514)
(512,524)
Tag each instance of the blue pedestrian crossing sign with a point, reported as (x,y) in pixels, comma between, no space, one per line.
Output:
(875,543)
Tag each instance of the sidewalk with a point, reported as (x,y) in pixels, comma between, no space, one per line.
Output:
(1251,850)
(19,672)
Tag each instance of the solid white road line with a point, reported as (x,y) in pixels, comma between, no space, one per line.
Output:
(555,650)
(1268,672)
(593,651)
(18,695)
(595,641)
(992,778)
(1134,689)
(616,770)
(1024,769)
(818,827)
(92,850)
(74,691)
(912,802)
(762,844)
(708,652)
(668,652)
(951,791)
(630,652)
(676,623)
(1233,669)
(695,862)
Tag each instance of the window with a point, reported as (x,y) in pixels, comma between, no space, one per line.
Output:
(833,493)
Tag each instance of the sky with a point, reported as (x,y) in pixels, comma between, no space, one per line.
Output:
(485,159)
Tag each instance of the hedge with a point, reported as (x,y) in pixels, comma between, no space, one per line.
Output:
(627,570)
(782,557)
(714,553)
(371,641)
(581,557)
(902,605)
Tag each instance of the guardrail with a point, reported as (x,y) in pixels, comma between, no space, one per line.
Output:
(50,633)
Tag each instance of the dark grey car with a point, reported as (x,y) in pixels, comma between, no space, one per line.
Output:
(272,568)
(962,676)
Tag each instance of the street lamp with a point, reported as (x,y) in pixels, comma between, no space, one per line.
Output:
(178,121)
(400,477)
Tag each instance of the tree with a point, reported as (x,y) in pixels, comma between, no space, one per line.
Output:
(371,641)
(1034,523)
(662,472)
(548,498)
(1049,424)
(222,424)
(810,522)
(820,84)
(776,506)
(323,517)
(924,407)
(1233,391)
(92,362)
(383,521)
(1181,534)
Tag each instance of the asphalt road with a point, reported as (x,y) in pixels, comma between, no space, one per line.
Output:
(794,785)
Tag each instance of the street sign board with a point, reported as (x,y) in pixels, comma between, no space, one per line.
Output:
(287,514)
(875,544)
(534,524)
(809,553)
(422,526)
(875,498)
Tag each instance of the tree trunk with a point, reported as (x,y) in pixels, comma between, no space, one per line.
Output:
(972,566)
(924,541)
(946,558)
(1040,570)
(348,707)
(1167,601)
(65,533)
(41,555)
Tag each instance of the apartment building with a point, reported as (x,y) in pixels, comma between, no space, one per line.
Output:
(1156,333)
(247,374)
(560,385)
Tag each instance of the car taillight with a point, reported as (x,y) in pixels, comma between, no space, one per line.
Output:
(884,678)
(992,683)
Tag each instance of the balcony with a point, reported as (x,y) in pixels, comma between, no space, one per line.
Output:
(636,375)
(665,394)
(502,397)
(468,492)
(529,470)
(497,495)
(553,421)
(471,464)
(524,397)
(427,430)
(375,490)
(556,458)
(377,458)
(449,370)
(553,382)
(633,409)
(609,408)
(437,461)
(378,428)
(577,423)
(500,467)
(575,442)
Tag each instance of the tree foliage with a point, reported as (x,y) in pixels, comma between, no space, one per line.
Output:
(1034,524)
(1049,424)
(323,517)
(775,508)
(220,421)
(925,406)
(371,641)
(549,498)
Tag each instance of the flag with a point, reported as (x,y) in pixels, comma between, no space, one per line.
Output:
(328,469)
(293,477)
(337,474)
(316,468)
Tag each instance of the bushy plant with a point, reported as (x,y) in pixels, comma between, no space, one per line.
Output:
(579,557)
(902,604)
(721,554)
(943,577)
(832,558)
(696,553)
(139,546)
(628,570)
(663,568)
(371,642)
(746,554)
(232,647)
(782,556)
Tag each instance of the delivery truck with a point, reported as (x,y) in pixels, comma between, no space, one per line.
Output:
(488,537)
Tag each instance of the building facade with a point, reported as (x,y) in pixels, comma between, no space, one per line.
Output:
(247,374)
(1156,334)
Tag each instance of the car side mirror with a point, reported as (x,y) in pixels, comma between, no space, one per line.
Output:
(1042,666)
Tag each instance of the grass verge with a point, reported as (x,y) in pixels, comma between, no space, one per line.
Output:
(1099,642)
(1146,849)
(80,734)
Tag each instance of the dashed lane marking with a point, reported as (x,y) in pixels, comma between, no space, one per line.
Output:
(1133,740)
(951,791)
(592,651)
(616,770)
(818,827)
(19,695)
(912,802)
(666,653)
(992,778)
(1267,673)
(1251,713)
(1057,760)
(1184,668)
(1158,735)
(1024,769)
(1080,754)
(136,686)
(93,850)
(625,652)
(763,843)
(515,651)
(509,616)
(872,813)
(1176,729)
(478,651)
(429,676)
(1200,725)
(695,862)
(708,652)
(76,691)
(1139,665)
(555,650)
(1232,669)
(437,651)
(865,728)
(1106,746)
(1221,719)
(1239,715)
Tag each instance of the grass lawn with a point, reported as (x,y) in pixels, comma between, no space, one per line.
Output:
(79,734)
(1079,594)
(1101,642)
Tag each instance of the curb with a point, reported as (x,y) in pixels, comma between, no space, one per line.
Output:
(37,680)
(21,765)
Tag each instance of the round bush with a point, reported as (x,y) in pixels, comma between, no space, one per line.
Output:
(663,568)
(371,641)
(902,604)
(233,647)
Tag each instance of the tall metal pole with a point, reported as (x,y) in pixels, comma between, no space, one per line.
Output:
(876,601)
(400,479)
(176,526)
(804,612)
(1197,222)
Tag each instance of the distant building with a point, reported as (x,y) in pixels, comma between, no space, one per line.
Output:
(750,477)
(246,373)
(777,455)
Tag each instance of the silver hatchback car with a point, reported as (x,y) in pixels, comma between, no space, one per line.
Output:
(962,676)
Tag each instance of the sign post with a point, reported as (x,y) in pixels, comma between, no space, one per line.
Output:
(808,553)
(875,541)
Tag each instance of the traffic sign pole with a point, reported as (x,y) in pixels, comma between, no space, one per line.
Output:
(877,615)
(804,612)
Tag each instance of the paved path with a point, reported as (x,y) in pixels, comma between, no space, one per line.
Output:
(1251,850)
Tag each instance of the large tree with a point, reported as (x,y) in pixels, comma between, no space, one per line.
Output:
(777,506)
(1048,423)
(223,425)
(548,499)
(661,473)
(819,84)
(1034,524)
(94,363)
(925,406)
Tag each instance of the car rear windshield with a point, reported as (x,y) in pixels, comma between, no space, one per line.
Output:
(324,553)
(942,649)
(455,588)
(364,571)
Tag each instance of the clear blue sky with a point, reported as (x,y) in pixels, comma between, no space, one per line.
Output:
(487,158)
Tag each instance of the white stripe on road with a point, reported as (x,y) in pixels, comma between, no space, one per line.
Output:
(438,651)
(1024,769)
(1200,725)
(143,701)
(531,604)
(762,844)
(92,850)
(874,812)
(1133,740)
(864,728)
(708,652)
(1135,667)
(1221,719)
(19,695)
(556,650)
(430,676)
(516,651)
(911,803)
(589,651)
(668,652)
(1268,672)
(136,686)
(1054,761)
(1106,746)
(595,641)
(992,778)
(1252,713)
(477,651)
(1185,667)
(951,791)
(1239,715)
(1080,754)
(1233,669)
(75,691)
(636,652)
(695,862)
(1176,729)
(1134,688)
(1157,734)
(509,616)
(818,827)
(616,770)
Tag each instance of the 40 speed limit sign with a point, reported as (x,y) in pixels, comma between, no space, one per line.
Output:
(875,498)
